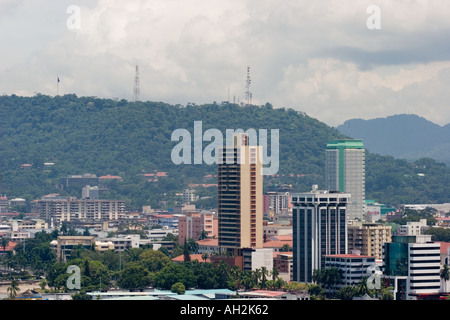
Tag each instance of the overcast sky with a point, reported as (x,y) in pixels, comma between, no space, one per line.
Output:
(319,57)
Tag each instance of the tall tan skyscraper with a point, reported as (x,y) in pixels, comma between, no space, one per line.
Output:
(240,199)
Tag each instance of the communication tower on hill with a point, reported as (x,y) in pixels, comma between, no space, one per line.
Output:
(136,90)
(248,94)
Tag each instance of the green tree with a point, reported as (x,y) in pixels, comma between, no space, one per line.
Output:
(154,260)
(346,293)
(445,273)
(316,291)
(178,288)
(362,288)
(134,276)
(186,253)
(13,289)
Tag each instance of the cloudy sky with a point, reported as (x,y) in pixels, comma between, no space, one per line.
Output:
(334,60)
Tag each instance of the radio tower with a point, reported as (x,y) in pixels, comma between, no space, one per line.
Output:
(136,90)
(248,94)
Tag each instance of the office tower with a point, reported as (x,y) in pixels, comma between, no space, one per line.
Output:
(319,229)
(345,172)
(412,266)
(240,195)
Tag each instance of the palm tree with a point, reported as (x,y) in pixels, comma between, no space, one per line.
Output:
(275,273)
(333,277)
(362,288)
(264,275)
(247,280)
(4,244)
(13,289)
(445,275)
(257,275)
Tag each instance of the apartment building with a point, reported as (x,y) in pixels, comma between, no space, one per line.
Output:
(368,238)
(57,210)
(193,224)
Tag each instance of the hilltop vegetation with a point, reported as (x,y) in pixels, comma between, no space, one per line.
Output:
(127,139)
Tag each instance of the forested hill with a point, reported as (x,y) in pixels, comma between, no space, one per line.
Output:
(129,139)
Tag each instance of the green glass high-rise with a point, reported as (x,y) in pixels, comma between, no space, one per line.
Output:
(345,172)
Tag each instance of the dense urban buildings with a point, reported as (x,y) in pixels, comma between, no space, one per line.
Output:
(319,229)
(345,172)
(240,201)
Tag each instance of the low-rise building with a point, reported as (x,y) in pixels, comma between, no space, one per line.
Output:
(282,261)
(353,267)
(64,245)
(412,228)
(209,246)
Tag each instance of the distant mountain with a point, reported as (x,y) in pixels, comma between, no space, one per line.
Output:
(404,136)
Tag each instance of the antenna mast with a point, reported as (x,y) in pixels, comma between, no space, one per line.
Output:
(248,94)
(136,90)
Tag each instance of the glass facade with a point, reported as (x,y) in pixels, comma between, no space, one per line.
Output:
(396,259)
(319,229)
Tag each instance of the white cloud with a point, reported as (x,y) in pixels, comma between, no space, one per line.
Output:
(315,56)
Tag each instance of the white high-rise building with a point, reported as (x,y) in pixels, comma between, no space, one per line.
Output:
(345,172)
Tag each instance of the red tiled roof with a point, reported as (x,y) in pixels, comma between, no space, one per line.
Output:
(288,237)
(208,242)
(277,244)
(277,253)
(110,177)
(11,245)
(444,246)
(197,257)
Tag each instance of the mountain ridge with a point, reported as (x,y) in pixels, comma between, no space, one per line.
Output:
(403,136)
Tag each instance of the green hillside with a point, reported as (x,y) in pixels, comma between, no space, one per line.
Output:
(102,136)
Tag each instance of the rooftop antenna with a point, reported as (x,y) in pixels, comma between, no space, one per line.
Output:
(248,94)
(136,90)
